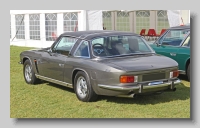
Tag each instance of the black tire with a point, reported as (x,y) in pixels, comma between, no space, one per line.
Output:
(84,91)
(188,72)
(31,74)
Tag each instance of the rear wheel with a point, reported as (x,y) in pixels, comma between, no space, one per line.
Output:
(188,72)
(29,74)
(83,88)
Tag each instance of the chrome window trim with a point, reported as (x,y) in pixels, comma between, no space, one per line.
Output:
(77,49)
(185,47)
(157,40)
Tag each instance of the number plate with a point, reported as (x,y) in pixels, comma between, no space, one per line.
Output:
(155,83)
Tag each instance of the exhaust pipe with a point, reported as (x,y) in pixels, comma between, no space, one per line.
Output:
(133,95)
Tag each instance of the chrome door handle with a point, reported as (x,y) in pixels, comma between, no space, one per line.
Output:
(173,54)
(61,65)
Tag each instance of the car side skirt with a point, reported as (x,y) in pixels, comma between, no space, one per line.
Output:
(54,81)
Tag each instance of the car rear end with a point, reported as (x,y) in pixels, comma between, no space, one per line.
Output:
(129,83)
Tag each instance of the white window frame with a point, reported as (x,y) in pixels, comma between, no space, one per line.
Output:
(123,24)
(50,26)
(69,22)
(141,22)
(20,26)
(34,27)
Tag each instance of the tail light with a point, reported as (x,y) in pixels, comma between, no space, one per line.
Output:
(128,79)
(174,74)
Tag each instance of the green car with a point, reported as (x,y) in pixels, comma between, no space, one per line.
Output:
(175,43)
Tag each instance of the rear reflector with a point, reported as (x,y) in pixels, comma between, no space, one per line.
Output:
(128,79)
(174,74)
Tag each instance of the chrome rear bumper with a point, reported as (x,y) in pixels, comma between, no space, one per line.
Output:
(141,86)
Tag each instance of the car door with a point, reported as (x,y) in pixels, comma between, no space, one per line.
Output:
(183,53)
(52,63)
(79,54)
(169,44)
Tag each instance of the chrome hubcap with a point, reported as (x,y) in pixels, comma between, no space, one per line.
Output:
(81,87)
(28,73)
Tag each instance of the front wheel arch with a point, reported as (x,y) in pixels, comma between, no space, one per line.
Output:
(24,59)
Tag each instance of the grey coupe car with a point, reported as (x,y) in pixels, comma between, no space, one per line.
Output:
(101,62)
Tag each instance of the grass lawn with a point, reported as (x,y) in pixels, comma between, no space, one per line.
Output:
(47,100)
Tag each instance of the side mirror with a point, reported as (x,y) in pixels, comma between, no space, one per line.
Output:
(49,51)
(158,44)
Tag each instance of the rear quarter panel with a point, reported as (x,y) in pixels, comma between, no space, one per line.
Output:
(98,73)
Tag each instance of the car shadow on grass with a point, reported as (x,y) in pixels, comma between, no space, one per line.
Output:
(182,93)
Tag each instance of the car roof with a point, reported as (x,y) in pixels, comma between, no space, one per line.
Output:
(180,27)
(90,34)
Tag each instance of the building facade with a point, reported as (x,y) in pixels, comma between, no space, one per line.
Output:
(40,28)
